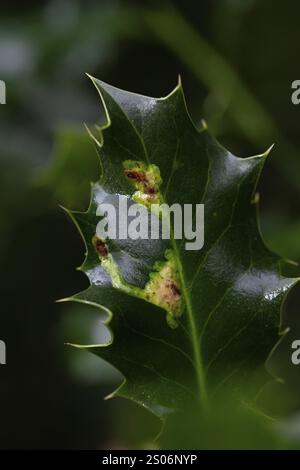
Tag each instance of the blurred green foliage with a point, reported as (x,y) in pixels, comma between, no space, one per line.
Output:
(73,169)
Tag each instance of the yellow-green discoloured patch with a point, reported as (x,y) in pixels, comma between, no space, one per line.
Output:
(146,180)
(162,289)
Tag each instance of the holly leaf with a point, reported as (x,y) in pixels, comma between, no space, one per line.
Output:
(183,323)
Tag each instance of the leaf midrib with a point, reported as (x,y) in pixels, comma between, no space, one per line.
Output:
(201,381)
(193,330)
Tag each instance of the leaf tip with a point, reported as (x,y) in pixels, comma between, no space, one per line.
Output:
(93,79)
(65,299)
(256,198)
(74,345)
(204,125)
(268,151)
(96,84)
(179,81)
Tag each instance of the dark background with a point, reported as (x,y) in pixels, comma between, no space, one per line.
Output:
(237,60)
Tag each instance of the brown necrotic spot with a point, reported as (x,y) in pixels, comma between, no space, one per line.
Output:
(101,247)
(140,177)
(150,190)
(137,176)
(174,289)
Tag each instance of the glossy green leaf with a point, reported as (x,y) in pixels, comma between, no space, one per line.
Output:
(228,294)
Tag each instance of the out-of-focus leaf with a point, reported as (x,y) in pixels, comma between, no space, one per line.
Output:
(282,236)
(74,166)
(229,425)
